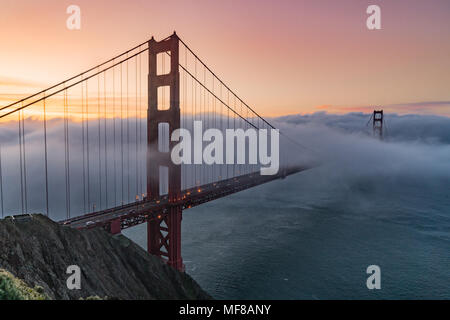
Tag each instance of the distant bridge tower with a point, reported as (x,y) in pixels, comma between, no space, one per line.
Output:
(378,124)
(164,233)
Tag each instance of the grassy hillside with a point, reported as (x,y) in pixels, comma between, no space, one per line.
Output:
(12,288)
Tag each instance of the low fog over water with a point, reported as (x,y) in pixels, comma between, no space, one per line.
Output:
(314,234)
(311,235)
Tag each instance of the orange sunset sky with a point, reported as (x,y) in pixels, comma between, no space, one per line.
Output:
(282,57)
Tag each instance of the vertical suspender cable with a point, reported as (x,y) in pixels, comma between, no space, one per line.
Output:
(20,158)
(1,180)
(99,142)
(185,108)
(66,153)
(105,141)
(247,126)
(65,148)
(182,108)
(121,131)
(242,167)
(228,122)
(140,124)
(195,118)
(23,172)
(136,128)
(205,118)
(200,109)
(208,121)
(114,135)
(24,164)
(215,125)
(234,127)
(128,140)
(46,158)
(87,147)
(83,145)
(221,122)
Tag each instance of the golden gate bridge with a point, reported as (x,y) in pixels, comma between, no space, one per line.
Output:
(105,134)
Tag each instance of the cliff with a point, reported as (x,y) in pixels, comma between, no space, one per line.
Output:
(38,251)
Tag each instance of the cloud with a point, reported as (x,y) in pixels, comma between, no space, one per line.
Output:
(361,175)
(417,148)
(415,153)
(425,108)
(400,128)
(16,82)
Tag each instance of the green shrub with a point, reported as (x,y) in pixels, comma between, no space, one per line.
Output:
(12,288)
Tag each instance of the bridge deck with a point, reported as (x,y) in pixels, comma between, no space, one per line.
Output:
(142,211)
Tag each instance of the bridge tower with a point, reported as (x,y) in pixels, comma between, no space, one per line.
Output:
(164,233)
(378,123)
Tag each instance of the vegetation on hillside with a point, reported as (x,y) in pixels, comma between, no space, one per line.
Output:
(12,288)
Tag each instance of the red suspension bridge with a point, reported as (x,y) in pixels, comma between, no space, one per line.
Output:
(105,135)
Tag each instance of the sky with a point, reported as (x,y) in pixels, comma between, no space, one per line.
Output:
(282,57)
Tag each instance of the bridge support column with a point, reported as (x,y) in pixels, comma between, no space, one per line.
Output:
(174,226)
(378,123)
(164,233)
(115,227)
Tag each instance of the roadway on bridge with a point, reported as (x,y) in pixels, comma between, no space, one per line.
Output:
(142,211)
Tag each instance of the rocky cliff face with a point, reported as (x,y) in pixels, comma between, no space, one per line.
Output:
(38,251)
